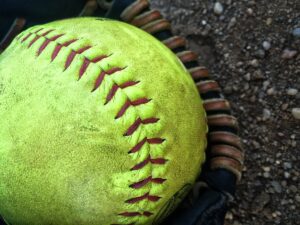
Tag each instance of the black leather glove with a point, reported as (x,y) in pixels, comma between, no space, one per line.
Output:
(207,203)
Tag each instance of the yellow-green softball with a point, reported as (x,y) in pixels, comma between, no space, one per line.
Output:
(100,124)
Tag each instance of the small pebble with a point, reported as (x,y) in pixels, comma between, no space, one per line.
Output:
(284,106)
(288,54)
(287,165)
(260,53)
(254,63)
(218,8)
(269,21)
(228,90)
(258,75)
(292,91)
(277,187)
(266,114)
(232,23)
(296,113)
(293,188)
(256,144)
(250,11)
(253,99)
(266,45)
(266,84)
(247,77)
(229,216)
(239,64)
(287,175)
(296,32)
(266,174)
(271,91)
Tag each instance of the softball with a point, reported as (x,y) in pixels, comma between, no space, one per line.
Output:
(100,124)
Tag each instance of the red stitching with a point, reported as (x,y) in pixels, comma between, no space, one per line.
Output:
(140,101)
(144,182)
(135,214)
(139,145)
(99,58)
(123,109)
(102,74)
(56,51)
(43,46)
(72,55)
(70,58)
(157,161)
(47,32)
(86,63)
(37,37)
(46,42)
(147,196)
(112,93)
(38,30)
(128,84)
(155,140)
(129,103)
(26,37)
(137,124)
(83,49)
(115,88)
(33,40)
(99,80)
(84,67)
(59,47)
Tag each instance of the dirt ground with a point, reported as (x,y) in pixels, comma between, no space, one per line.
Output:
(253,49)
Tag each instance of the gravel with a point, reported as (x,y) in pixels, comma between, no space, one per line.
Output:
(296,32)
(277,187)
(288,54)
(257,76)
(266,45)
(292,91)
(218,8)
(266,114)
(287,165)
(296,113)
(254,63)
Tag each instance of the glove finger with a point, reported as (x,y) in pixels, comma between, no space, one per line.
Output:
(209,209)
(41,9)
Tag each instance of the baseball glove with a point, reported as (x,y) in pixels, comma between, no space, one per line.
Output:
(208,201)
